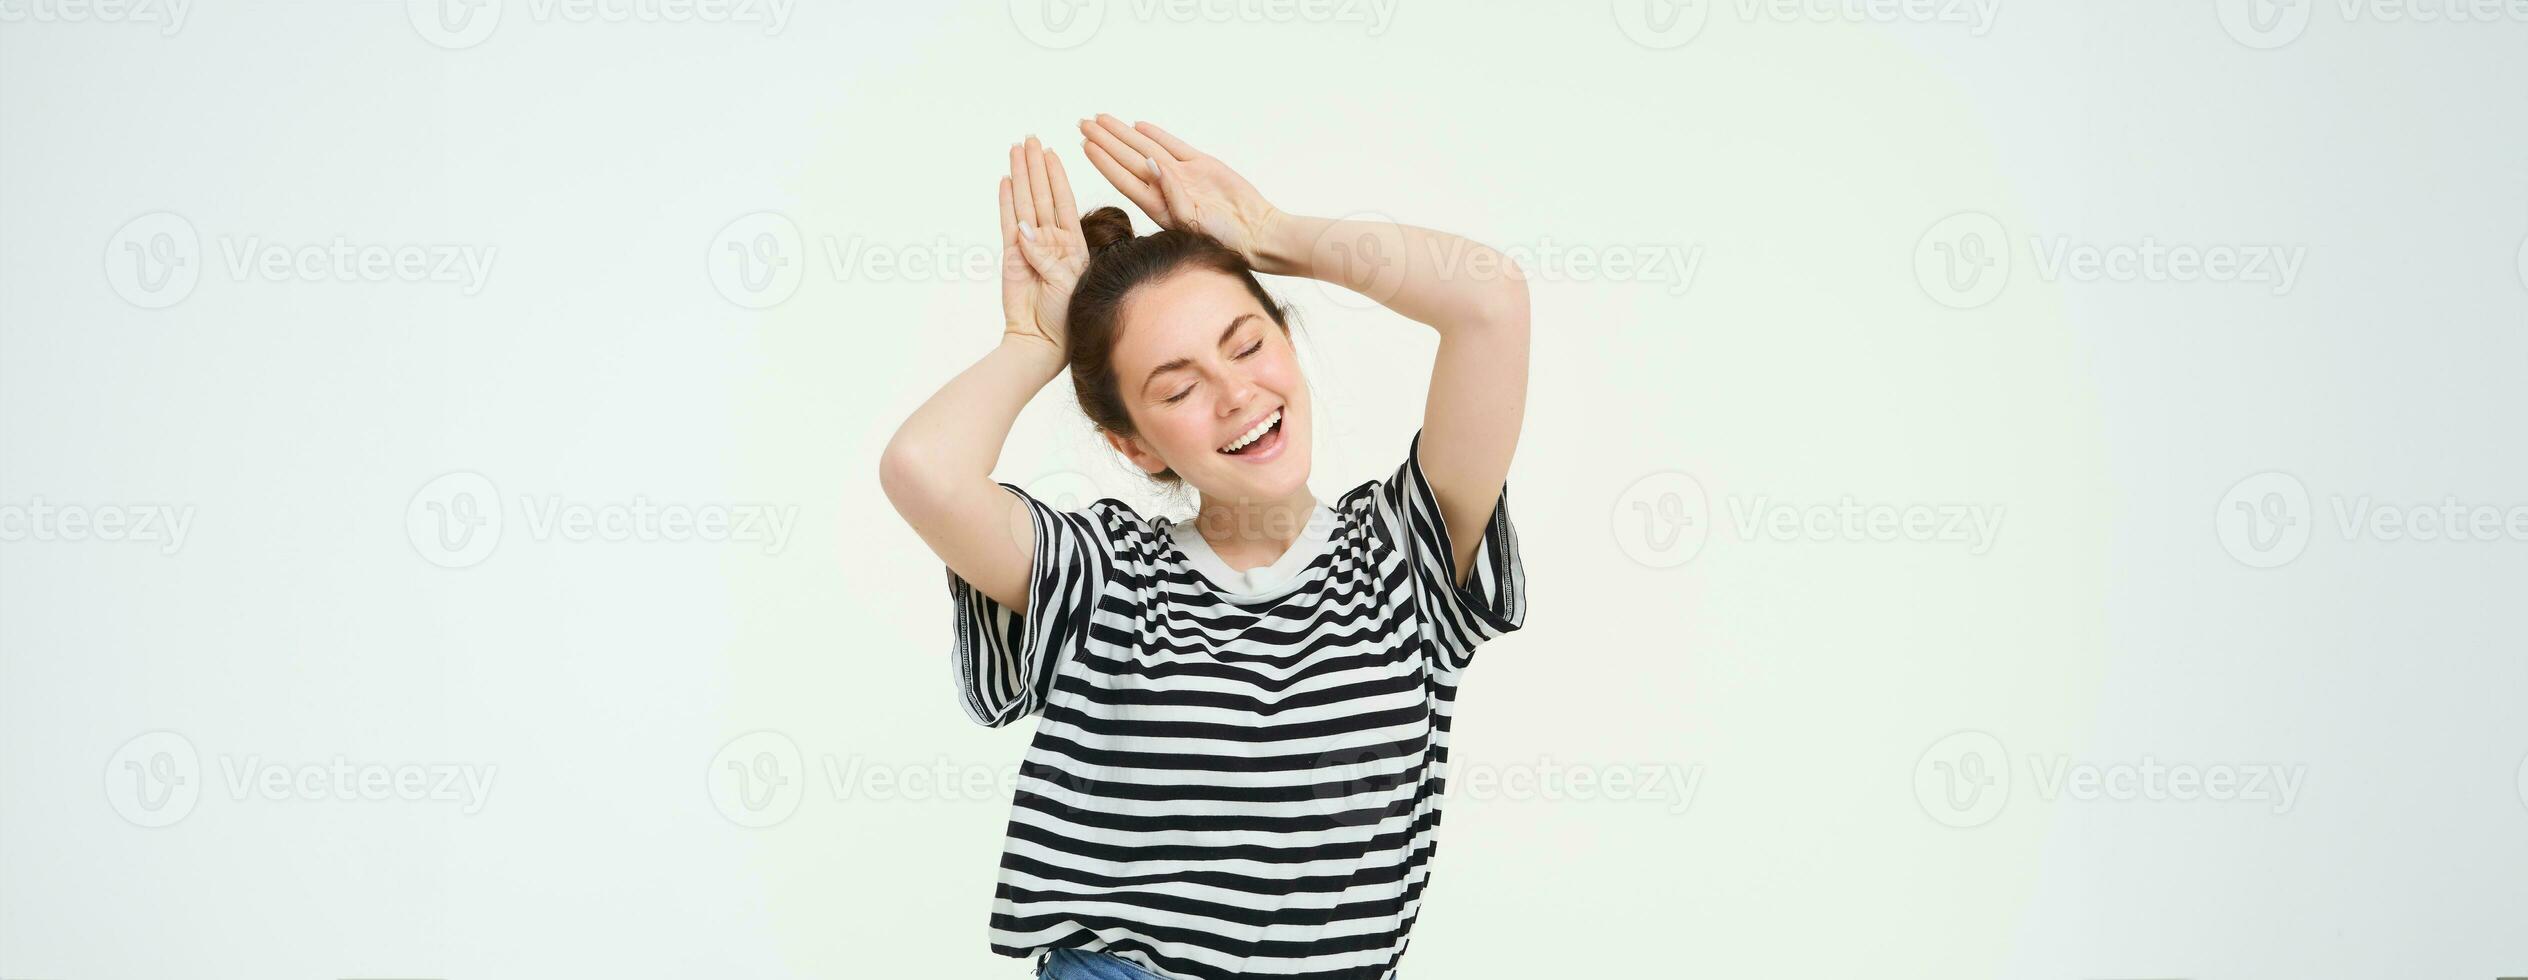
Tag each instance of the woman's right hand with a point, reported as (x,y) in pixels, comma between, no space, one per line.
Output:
(1042,250)
(1183,188)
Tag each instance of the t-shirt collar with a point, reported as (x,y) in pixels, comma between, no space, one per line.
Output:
(1262,581)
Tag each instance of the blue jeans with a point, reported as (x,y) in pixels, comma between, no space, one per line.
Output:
(1077,964)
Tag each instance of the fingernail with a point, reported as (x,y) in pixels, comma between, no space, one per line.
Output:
(1026,231)
(1154,166)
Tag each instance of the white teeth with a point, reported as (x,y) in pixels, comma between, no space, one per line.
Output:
(1254,433)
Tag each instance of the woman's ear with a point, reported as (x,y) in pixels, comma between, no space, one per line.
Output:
(1132,449)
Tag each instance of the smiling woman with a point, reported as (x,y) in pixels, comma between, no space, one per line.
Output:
(1245,718)
(1180,358)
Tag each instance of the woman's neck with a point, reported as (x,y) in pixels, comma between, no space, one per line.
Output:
(1248,534)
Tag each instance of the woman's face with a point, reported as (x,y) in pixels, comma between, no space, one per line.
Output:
(1201,367)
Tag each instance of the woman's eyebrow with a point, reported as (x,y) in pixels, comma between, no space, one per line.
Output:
(1177,363)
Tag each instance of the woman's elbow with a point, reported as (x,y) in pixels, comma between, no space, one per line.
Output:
(901,473)
(1505,306)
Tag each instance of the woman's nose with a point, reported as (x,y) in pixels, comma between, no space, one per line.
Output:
(1236,392)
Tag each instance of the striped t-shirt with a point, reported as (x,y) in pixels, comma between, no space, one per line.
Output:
(1232,783)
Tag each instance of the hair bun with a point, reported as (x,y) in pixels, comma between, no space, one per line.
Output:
(1104,227)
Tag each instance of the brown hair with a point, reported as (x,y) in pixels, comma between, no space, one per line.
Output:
(1118,263)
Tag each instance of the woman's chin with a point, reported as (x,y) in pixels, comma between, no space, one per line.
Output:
(1271,480)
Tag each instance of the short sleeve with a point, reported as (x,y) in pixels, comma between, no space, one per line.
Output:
(1005,660)
(1494,599)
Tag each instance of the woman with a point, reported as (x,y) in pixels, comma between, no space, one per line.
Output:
(1245,716)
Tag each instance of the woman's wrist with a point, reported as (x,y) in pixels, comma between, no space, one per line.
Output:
(1041,358)
(1282,243)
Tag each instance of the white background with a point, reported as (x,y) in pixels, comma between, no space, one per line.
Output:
(2151,600)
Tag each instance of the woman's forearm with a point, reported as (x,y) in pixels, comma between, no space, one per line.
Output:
(1433,277)
(937,471)
(957,435)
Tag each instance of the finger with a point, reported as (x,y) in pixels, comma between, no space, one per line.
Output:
(1044,262)
(1038,183)
(1175,147)
(1163,175)
(1135,162)
(1022,193)
(1140,143)
(1134,189)
(1009,216)
(1066,214)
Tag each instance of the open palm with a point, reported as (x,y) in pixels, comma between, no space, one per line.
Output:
(1042,250)
(1178,186)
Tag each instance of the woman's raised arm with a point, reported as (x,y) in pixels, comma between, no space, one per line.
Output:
(937,470)
(1474,296)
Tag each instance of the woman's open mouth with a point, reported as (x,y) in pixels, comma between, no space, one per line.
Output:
(1260,443)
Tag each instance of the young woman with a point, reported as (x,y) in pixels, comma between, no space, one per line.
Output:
(1244,716)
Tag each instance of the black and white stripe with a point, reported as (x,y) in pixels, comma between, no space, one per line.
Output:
(1223,786)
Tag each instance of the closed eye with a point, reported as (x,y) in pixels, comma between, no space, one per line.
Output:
(1179,396)
(1251,349)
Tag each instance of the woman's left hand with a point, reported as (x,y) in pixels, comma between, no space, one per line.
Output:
(1180,187)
